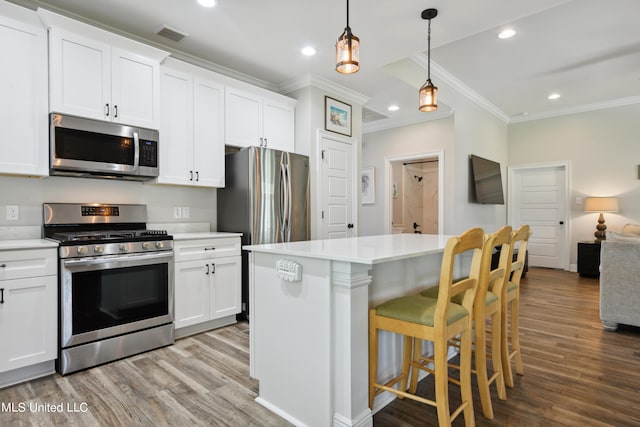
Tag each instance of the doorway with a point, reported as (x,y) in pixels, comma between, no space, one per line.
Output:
(413,194)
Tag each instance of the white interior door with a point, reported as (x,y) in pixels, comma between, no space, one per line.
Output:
(538,197)
(336,189)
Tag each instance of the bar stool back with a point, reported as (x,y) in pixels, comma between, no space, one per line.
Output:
(437,320)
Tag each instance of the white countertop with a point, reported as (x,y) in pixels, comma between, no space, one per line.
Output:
(204,235)
(9,245)
(362,250)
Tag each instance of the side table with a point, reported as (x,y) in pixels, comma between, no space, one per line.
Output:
(589,258)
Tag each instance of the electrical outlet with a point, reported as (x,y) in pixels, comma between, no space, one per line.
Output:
(186,212)
(177,212)
(13,213)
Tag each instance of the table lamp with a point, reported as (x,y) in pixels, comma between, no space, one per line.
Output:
(601,204)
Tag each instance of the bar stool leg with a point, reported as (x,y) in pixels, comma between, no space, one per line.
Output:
(373,356)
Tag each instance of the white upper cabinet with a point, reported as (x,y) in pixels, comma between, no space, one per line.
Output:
(95,80)
(24,137)
(257,119)
(100,75)
(192,148)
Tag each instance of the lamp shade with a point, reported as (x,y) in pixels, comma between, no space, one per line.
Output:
(601,204)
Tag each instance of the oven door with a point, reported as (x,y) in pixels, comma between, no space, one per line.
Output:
(113,295)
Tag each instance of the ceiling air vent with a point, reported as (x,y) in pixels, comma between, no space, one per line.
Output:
(369,115)
(171,33)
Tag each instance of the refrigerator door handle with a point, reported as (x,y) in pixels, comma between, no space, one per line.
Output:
(289,204)
(283,202)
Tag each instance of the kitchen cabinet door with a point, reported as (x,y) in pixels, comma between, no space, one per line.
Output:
(24,137)
(28,321)
(243,118)
(135,89)
(226,287)
(176,130)
(208,133)
(191,293)
(279,125)
(80,75)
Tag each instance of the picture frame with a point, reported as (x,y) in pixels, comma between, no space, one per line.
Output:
(368,185)
(337,116)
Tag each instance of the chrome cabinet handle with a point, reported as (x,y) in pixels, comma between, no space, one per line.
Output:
(210,249)
(115,107)
(1,295)
(190,175)
(213,269)
(265,142)
(197,176)
(106,110)
(207,268)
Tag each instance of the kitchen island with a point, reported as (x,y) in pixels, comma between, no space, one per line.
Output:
(309,334)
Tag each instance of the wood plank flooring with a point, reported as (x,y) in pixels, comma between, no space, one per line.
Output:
(576,374)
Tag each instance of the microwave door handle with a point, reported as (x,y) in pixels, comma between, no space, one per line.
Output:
(136,152)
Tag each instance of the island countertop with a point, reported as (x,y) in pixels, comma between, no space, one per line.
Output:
(361,250)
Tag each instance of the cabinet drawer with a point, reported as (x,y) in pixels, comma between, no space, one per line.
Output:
(20,264)
(187,250)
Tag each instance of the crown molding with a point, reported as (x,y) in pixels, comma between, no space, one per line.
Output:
(445,76)
(620,102)
(391,123)
(324,84)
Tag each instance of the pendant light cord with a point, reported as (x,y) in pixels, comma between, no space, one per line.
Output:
(428,51)
(347,13)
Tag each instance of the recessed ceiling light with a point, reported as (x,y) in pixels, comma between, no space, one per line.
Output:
(308,51)
(507,33)
(207,3)
(553,96)
(393,107)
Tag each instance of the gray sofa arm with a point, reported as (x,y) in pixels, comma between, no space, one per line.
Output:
(619,284)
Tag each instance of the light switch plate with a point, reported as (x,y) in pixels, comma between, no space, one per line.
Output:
(186,212)
(177,212)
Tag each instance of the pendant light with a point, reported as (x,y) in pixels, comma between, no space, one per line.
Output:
(428,92)
(347,50)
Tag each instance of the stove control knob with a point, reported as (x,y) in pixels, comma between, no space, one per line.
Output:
(82,250)
(146,245)
(123,247)
(98,249)
(159,245)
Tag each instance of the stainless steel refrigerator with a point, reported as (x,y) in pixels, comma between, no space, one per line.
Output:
(266,198)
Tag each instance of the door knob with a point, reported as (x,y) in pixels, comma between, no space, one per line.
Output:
(349,225)
(561,222)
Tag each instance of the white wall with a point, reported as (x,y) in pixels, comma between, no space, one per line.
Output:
(30,193)
(407,141)
(471,130)
(603,149)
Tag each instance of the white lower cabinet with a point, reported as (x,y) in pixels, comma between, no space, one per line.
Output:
(207,283)
(28,308)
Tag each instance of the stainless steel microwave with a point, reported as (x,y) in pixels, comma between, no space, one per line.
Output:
(92,148)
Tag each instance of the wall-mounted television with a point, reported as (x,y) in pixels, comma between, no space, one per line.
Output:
(487,181)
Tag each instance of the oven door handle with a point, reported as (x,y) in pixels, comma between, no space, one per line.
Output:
(129,258)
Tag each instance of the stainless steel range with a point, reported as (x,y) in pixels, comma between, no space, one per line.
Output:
(116,282)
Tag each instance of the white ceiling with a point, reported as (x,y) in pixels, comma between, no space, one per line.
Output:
(586,50)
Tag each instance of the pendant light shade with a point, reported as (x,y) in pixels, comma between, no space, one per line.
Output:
(428,97)
(428,92)
(347,50)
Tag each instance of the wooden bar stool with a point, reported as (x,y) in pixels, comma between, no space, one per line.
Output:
(511,307)
(487,305)
(437,320)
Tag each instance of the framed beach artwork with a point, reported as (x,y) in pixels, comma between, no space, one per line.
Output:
(337,116)
(368,185)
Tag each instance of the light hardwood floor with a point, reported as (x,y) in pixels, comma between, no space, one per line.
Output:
(576,374)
